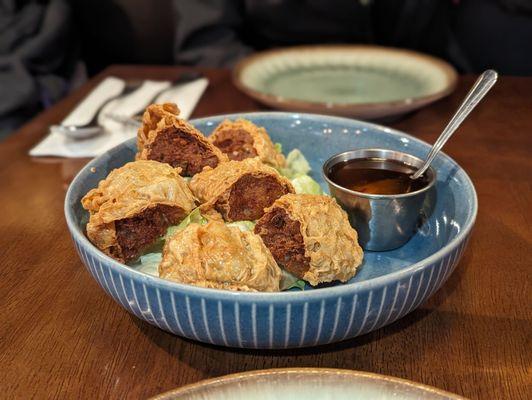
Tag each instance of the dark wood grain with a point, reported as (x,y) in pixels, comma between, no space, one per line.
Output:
(62,337)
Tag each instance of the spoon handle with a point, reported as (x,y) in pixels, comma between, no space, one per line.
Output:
(483,84)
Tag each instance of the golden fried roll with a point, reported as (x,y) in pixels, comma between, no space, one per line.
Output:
(166,138)
(219,256)
(310,236)
(134,206)
(240,190)
(243,139)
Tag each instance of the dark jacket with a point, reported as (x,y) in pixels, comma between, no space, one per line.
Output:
(37,57)
(472,34)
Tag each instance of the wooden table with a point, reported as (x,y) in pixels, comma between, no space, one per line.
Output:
(62,337)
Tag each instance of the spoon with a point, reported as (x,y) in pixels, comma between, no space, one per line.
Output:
(482,86)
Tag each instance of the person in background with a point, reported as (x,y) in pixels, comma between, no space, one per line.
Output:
(38,58)
(472,34)
(46,46)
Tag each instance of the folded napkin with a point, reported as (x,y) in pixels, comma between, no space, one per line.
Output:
(185,95)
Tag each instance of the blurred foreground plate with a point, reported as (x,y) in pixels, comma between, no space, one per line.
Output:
(367,82)
(307,384)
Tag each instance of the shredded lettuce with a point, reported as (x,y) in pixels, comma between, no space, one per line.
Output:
(279,147)
(297,169)
(243,225)
(194,217)
(289,281)
(305,184)
(149,263)
(296,165)
(299,284)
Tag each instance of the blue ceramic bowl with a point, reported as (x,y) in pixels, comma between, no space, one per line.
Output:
(388,285)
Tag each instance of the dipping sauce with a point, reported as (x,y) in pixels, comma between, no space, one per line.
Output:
(376,176)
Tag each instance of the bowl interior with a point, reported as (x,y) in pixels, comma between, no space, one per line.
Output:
(319,137)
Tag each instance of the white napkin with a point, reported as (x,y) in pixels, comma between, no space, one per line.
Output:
(186,96)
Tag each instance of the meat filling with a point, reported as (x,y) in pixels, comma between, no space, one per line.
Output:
(182,150)
(282,236)
(237,144)
(249,196)
(137,233)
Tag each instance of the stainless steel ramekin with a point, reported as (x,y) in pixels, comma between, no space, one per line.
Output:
(383,222)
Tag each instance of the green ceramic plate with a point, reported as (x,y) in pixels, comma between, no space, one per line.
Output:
(306,384)
(359,81)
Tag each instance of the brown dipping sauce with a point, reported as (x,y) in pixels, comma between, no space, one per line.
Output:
(376,176)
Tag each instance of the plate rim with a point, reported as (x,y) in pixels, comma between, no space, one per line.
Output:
(269,297)
(242,376)
(449,71)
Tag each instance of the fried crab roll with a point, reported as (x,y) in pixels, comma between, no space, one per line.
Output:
(240,190)
(133,207)
(242,139)
(165,138)
(310,236)
(219,256)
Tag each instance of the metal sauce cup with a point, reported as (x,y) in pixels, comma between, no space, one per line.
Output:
(383,222)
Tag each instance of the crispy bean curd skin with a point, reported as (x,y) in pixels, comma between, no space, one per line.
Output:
(134,206)
(239,190)
(166,138)
(222,257)
(243,139)
(310,236)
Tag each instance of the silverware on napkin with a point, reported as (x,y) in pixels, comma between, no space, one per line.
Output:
(93,128)
(57,144)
